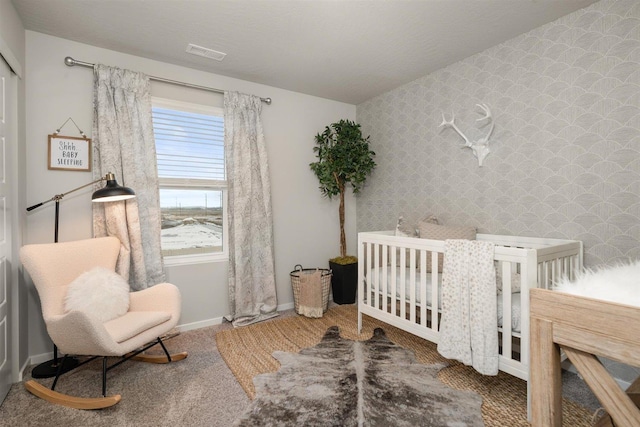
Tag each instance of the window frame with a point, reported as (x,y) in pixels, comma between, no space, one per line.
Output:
(195,183)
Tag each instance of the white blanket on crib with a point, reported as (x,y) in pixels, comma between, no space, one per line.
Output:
(469,325)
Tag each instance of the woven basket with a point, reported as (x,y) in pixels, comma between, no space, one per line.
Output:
(297,273)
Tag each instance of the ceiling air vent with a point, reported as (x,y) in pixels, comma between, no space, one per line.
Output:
(207,53)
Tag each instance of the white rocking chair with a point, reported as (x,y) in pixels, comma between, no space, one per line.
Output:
(152,313)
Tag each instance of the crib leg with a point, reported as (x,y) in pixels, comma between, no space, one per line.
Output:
(359,322)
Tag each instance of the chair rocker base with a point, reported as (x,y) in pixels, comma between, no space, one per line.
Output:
(52,396)
(159,358)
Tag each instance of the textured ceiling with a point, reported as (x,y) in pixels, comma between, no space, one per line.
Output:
(348,51)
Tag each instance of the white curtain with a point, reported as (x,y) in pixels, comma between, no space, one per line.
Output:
(252,285)
(123,144)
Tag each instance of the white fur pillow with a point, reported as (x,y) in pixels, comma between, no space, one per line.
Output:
(620,284)
(100,292)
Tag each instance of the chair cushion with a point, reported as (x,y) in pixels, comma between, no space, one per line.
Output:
(101,293)
(133,323)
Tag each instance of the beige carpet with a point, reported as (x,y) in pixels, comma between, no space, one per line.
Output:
(248,351)
(198,391)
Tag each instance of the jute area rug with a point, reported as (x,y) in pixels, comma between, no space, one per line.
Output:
(248,352)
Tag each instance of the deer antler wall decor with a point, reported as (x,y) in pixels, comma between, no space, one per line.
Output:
(480,147)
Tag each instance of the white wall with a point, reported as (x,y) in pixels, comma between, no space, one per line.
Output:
(11,33)
(305,224)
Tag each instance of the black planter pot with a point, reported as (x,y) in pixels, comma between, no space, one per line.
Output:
(344,282)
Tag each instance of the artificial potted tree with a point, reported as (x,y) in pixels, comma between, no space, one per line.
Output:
(344,158)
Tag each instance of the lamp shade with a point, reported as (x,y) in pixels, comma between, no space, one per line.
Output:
(112,192)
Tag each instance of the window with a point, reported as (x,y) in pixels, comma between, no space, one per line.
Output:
(193,187)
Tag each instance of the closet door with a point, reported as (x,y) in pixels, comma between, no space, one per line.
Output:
(7,104)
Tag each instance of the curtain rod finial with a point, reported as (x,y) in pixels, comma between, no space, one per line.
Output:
(69,61)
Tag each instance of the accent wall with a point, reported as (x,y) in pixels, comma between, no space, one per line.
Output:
(565,151)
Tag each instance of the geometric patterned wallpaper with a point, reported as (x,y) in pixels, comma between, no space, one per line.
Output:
(565,150)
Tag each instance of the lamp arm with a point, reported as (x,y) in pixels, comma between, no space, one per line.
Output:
(60,196)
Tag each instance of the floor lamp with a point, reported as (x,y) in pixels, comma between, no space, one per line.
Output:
(112,192)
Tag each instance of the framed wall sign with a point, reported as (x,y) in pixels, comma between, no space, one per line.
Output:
(69,153)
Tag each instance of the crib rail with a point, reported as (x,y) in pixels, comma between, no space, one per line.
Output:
(399,278)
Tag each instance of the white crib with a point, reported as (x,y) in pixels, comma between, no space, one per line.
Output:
(393,282)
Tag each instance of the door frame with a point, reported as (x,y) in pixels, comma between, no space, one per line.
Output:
(15,158)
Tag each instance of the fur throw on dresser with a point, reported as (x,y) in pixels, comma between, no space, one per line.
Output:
(619,283)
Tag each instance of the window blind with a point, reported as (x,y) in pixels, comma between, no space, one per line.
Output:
(189,145)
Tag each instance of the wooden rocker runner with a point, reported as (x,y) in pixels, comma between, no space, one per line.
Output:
(56,269)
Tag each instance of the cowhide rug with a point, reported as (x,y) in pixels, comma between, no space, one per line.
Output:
(340,382)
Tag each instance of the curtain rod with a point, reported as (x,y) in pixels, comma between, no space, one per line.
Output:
(69,61)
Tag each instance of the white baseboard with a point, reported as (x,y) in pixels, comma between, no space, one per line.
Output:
(200,324)
(23,370)
(40,358)
(569,367)
(287,306)
(218,320)
(623,384)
